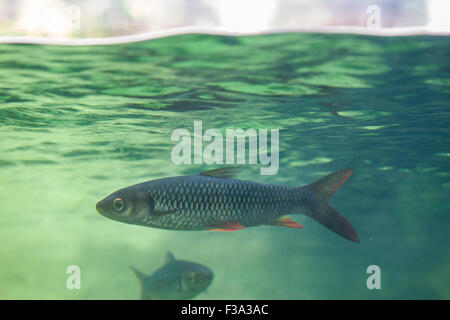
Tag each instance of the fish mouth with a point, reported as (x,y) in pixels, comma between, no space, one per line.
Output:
(100,209)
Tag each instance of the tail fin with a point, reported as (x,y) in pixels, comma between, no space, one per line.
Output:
(326,214)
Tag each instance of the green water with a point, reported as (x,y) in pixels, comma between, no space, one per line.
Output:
(77,123)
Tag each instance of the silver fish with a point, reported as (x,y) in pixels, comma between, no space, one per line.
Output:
(213,200)
(176,280)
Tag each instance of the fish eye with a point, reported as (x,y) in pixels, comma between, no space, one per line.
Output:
(118,204)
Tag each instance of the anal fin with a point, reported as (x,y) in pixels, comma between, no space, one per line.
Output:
(286,222)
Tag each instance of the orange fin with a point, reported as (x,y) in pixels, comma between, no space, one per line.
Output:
(286,222)
(229,226)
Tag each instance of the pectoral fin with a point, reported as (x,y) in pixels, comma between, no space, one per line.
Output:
(161,212)
(156,212)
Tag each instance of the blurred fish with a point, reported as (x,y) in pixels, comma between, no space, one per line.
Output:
(176,280)
(213,200)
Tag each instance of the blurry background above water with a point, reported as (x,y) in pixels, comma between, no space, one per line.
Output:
(108,18)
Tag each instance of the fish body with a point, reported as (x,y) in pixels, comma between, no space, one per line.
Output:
(214,200)
(175,280)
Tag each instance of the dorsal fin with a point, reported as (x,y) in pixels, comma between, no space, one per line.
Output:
(169,258)
(140,275)
(227,172)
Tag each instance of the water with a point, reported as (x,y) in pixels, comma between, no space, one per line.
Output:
(77,123)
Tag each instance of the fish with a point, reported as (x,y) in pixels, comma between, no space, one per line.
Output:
(215,200)
(175,280)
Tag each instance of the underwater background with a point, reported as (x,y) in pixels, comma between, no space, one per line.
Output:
(77,123)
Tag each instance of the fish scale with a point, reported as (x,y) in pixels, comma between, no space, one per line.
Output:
(210,200)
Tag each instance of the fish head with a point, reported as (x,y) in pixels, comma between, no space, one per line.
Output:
(123,205)
(195,278)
